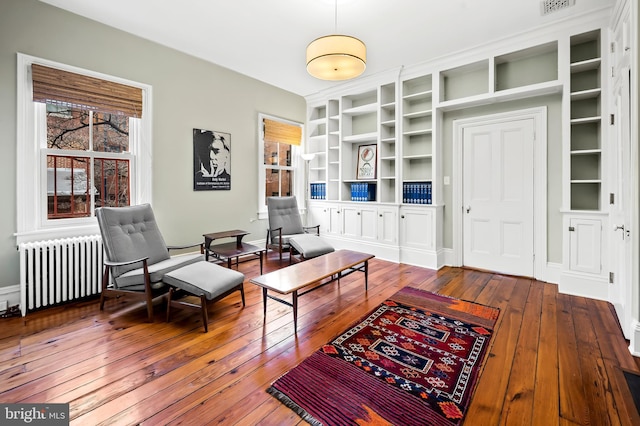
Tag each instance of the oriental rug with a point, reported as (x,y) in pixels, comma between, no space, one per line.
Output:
(414,360)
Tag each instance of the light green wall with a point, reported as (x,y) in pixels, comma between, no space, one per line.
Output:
(187,93)
(554,164)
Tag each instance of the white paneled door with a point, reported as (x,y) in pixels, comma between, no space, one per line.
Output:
(498,197)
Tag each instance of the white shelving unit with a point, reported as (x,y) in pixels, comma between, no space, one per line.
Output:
(402,114)
(586,122)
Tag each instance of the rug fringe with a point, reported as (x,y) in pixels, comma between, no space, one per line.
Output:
(293,406)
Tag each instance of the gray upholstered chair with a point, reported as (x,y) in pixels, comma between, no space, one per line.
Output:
(284,223)
(136,256)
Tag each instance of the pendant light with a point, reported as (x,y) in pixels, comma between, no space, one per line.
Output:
(336,57)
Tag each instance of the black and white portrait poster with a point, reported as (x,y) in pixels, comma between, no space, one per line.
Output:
(211,160)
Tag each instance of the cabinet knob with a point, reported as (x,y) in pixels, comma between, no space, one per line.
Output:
(358,213)
(381,215)
(402,217)
(571,229)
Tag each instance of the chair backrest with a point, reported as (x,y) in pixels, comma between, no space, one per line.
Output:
(129,233)
(283,212)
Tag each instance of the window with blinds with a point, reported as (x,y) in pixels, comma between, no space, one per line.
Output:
(279,139)
(88,135)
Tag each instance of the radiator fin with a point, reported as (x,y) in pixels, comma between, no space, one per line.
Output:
(56,271)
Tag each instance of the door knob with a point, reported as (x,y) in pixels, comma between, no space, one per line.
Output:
(619,227)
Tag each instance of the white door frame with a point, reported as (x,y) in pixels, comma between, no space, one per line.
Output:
(539,117)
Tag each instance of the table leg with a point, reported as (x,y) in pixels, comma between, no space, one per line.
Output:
(229,262)
(264,302)
(295,311)
(260,254)
(366,275)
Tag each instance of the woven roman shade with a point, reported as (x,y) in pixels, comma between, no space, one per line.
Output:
(55,86)
(277,131)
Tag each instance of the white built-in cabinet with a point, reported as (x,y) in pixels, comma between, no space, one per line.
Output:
(400,113)
(586,207)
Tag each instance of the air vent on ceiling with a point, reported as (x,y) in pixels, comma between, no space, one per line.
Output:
(549,6)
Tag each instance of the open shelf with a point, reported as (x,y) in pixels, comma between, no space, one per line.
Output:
(586,116)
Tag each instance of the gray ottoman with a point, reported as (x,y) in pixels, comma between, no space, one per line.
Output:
(206,280)
(308,246)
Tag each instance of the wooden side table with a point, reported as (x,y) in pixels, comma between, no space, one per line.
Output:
(226,252)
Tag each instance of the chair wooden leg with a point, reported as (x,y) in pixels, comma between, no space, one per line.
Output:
(205,316)
(105,281)
(169,298)
(242,295)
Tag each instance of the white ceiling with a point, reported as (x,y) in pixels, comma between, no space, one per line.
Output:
(266,39)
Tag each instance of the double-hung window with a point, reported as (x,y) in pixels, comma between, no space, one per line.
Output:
(83,143)
(279,145)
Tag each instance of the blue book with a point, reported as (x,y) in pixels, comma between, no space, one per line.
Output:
(429,200)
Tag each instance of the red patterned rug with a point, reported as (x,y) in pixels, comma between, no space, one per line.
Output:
(414,360)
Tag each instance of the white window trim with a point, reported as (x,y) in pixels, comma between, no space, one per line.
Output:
(32,224)
(296,162)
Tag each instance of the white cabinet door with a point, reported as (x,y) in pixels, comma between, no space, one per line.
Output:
(368,223)
(319,215)
(417,228)
(360,222)
(335,220)
(388,225)
(585,241)
(350,221)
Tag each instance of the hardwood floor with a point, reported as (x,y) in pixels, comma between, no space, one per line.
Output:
(555,359)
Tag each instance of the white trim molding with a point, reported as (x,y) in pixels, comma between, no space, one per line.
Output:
(539,117)
(31,205)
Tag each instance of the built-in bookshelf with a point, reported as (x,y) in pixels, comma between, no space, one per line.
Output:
(359,126)
(586,122)
(513,70)
(388,152)
(400,118)
(417,130)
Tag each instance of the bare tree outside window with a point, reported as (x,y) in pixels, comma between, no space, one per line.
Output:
(79,177)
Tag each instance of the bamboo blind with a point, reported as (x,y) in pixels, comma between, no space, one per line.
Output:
(52,85)
(277,131)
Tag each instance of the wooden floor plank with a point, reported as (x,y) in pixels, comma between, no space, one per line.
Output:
(553,358)
(546,408)
(518,406)
(596,384)
(573,403)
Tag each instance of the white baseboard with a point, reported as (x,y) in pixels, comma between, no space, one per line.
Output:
(11,294)
(584,285)
(552,273)
(634,346)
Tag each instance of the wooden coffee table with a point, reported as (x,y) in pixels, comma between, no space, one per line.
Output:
(226,252)
(295,278)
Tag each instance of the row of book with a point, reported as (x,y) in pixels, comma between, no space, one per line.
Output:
(318,191)
(416,192)
(364,191)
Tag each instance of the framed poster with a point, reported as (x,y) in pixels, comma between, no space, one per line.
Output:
(211,160)
(367,158)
